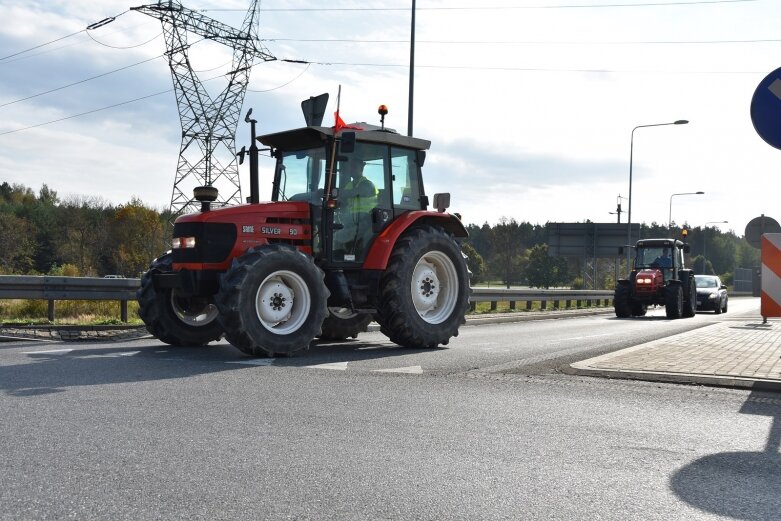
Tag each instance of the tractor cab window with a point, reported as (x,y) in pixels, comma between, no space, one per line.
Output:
(300,175)
(406,179)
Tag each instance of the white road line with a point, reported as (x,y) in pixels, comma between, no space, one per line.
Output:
(415,369)
(334,366)
(584,337)
(52,351)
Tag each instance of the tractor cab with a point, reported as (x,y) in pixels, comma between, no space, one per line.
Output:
(664,255)
(356,180)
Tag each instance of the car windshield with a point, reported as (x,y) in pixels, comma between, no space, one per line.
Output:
(706,282)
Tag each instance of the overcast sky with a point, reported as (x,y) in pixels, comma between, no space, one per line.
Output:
(529,104)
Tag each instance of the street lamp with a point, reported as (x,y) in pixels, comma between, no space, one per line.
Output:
(704,242)
(618,208)
(629,212)
(670,216)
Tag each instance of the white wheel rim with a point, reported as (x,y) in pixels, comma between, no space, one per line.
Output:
(193,316)
(343,313)
(282,302)
(434,287)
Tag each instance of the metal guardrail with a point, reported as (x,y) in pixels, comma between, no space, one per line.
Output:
(53,289)
(543,296)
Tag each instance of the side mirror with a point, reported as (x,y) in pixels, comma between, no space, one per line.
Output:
(348,143)
(442,201)
(686,248)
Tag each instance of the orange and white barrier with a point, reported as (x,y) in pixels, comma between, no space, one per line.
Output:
(771,275)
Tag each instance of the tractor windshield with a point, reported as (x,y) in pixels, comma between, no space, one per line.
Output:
(653,257)
(300,175)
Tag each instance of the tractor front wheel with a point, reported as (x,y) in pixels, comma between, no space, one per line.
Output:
(272,301)
(690,301)
(172,318)
(425,289)
(621,301)
(673,301)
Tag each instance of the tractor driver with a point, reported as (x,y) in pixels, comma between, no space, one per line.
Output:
(664,261)
(358,198)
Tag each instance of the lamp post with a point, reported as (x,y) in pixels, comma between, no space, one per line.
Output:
(629,212)
(704,242)
(618,208)
(670,216)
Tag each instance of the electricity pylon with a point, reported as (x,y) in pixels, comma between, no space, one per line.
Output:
(207,156)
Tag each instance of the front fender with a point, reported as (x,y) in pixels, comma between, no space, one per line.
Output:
(381,248)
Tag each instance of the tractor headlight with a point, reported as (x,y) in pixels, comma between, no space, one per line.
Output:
(183,242)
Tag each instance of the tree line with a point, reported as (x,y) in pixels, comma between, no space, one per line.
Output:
(77,236)
(516,253)
(86,236)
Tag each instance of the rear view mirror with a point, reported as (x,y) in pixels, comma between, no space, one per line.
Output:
(348,143)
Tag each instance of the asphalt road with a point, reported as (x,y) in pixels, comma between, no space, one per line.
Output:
(487,428)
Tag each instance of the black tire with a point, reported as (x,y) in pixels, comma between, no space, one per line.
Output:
(621,301)
(690,301)
(673,301)
(639,310)
(172,319)
(272,301)
(724,309)
(717,308)
(424,292)
(344,324)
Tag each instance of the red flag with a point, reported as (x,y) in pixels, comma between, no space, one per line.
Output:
(339,124)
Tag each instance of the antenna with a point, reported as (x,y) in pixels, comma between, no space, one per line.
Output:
(207,156)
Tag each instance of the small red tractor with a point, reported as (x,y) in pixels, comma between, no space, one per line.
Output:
(272,276)
(658,278)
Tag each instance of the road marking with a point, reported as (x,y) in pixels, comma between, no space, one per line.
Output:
(415,369)
(334,366)
(584,337)
(255,361)
(52,351)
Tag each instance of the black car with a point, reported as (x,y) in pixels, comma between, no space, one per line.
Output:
(711,294)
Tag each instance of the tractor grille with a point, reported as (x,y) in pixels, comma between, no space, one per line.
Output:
(213,241)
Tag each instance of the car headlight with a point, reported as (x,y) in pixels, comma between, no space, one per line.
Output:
(712,296)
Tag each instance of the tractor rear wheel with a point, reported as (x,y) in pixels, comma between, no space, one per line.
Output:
(343,323)
(690,300)
(621,301)
(174,319)
(272,301)
(425,289)
(673,301)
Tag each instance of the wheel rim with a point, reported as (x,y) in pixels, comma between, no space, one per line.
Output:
(282,302)
(343,313)
(196,312)
(434,287)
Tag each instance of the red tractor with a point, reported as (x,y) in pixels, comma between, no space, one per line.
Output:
(658,278)
(332,251)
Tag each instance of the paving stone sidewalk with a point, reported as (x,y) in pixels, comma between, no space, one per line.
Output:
(735,353)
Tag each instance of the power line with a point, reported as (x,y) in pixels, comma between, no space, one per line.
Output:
(86,113)
(523,42)
(79,82)
(95,25)
(491,8)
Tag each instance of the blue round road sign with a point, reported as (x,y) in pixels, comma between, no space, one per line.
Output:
(766,109)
